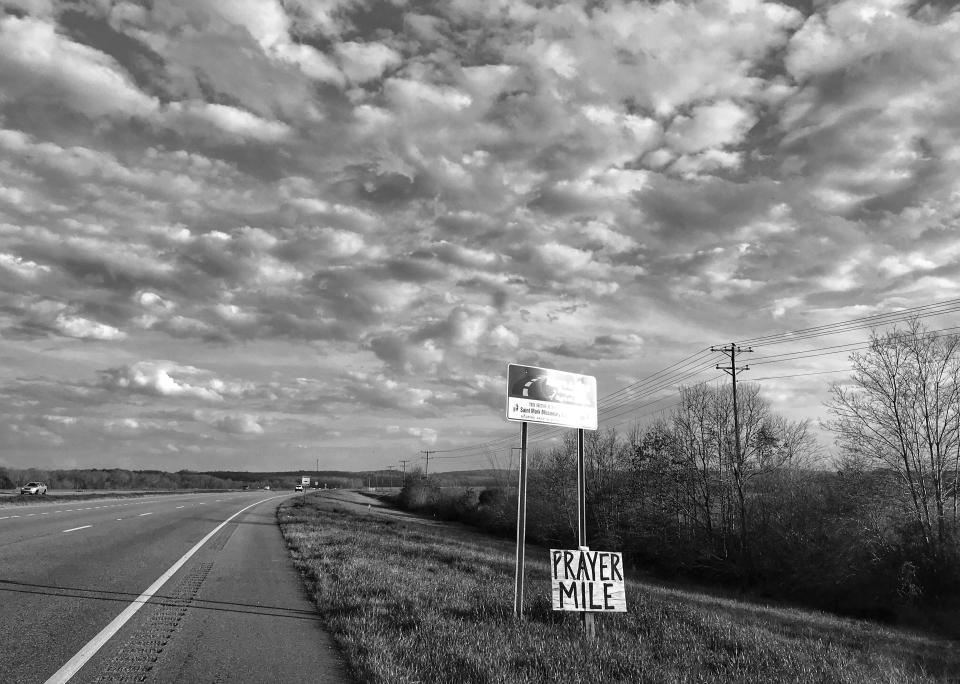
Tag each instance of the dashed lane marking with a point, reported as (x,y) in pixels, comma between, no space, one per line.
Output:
(74,529)
(143,514)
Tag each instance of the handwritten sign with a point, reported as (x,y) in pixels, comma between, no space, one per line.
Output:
(585,580)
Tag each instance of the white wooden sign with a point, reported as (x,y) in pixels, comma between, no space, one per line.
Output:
(584,580)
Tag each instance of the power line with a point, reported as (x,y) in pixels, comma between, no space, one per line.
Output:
(925,310)
(798,375)
(629,399)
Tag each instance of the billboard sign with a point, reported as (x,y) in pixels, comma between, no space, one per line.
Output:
(305,480)
(587,581)
(554,397)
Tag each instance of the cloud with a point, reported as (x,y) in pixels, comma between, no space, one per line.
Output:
(206,119)
(234,423)
(23,268)
(404,356)
(390,205)
(710,126)
(615,346)
(169,379)
(426,435)
(76,326)
(366,61)
(385,393)
(35,59)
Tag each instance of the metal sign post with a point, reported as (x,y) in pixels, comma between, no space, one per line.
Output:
(589,629)
(521,523)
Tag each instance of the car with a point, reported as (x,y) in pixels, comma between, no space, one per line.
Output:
(34,488)
(298,488)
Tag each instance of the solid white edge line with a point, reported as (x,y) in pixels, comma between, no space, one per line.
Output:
(72,666)
(74,529)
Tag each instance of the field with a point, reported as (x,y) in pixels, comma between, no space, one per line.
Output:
(414,603)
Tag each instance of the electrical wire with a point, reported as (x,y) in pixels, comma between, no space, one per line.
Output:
(629,399)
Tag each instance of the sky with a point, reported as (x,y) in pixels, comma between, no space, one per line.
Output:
(277,234)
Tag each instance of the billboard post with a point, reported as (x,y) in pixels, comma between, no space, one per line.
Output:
(521,523)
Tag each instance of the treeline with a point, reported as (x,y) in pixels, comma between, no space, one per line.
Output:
(114,479)
(122,479)
(749,501)
(331,479)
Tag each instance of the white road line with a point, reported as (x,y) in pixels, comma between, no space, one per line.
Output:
(72,666)
(179,506)
(143,514)
(4,517)
(74,529)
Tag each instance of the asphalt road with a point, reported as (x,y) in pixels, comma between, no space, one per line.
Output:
(156,589)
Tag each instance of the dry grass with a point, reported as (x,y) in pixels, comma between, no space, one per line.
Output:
(414,604)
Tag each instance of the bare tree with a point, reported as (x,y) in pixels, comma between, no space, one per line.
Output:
(901,410)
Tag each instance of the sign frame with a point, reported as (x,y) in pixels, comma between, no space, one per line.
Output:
(551,397)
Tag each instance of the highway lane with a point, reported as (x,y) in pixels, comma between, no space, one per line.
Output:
(68,569)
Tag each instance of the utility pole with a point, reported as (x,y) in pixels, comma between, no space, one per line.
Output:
(391,480)
(732,349)
(426,468)
(404,461)
(732,369)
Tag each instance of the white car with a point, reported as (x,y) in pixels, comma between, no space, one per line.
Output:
(34,488)
(298,488)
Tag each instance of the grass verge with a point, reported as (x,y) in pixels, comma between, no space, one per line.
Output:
(409,603)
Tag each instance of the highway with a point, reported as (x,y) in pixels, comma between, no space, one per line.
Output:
(168,588)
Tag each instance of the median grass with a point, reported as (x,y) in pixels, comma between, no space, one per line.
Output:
(414,603)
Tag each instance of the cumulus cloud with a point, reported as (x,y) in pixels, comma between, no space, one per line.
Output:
(426,435)
(710,126)
(384,392)
(207,119)
(35,58)
(169,379)
(232,423)
(22,267)
(77,326)
(303,190)
(366,61)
